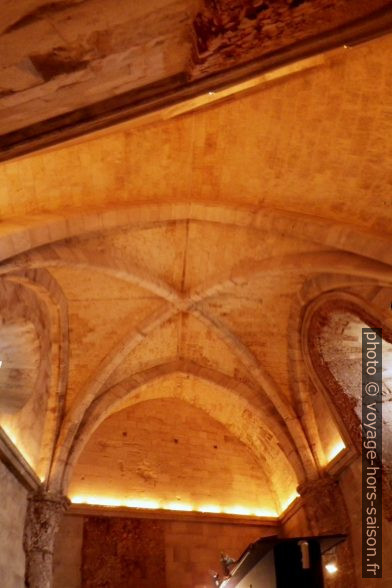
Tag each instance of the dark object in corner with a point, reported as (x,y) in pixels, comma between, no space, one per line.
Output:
(282,563)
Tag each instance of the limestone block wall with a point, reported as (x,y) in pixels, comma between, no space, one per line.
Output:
(296,524)
(178,553)
(167,450)
(12,516)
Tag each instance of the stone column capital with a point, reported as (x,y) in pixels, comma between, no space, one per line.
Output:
(324,505)
(324,483)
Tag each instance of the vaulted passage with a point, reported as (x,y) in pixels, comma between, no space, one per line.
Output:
(196,209)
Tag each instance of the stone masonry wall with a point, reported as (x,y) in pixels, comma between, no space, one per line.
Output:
(178,553)
(12,516)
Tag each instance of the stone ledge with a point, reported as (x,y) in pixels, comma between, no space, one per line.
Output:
(196,517)
(16,463)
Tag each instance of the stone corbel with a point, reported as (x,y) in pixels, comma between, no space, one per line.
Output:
(325,506)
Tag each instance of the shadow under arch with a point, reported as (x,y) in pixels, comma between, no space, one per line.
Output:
(45,287)
(35,299)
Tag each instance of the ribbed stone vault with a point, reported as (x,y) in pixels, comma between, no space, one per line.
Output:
(170,276)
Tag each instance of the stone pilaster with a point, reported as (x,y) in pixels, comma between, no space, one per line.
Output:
(44,512)
(327,514)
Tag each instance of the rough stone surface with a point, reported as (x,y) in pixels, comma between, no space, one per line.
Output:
(68,61)
(168,554)
(326,510)
(121,551)
(13,505)
(325,507)
(228,32)
(42,523)
(336,349)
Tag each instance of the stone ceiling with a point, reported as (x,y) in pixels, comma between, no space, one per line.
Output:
(70,63)
(176,263)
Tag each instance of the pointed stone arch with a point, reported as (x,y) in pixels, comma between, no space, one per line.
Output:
(233,404)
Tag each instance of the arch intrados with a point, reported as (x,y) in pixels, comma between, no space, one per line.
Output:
(44,287)
(24,234)
(323,305)
(315,289)
(318,262)
(122,395)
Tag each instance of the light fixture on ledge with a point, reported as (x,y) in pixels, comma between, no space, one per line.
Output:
(331,562)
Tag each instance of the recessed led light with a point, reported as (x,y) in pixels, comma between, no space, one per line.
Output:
(210,508)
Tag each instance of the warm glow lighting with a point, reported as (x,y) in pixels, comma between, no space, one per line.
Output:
(331,568)
(178,506)
(289,501)
(238,510)
(141,503)
(19,446)
(10,435)
(78,500)
(265,513)
(103,501)
(210,508)
(336,450)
